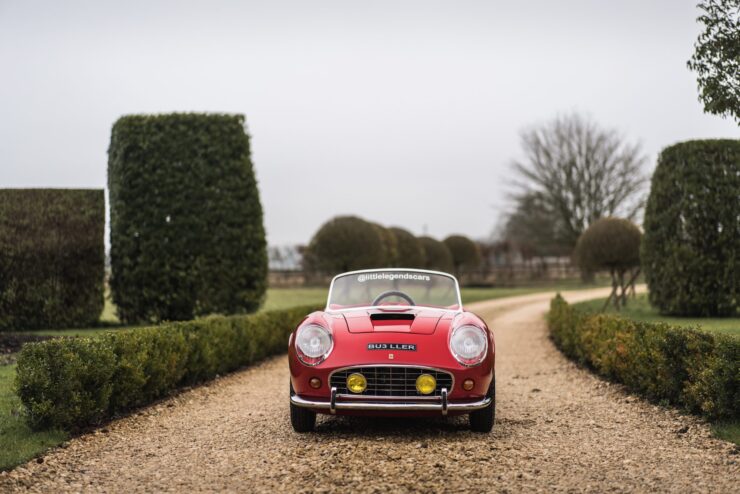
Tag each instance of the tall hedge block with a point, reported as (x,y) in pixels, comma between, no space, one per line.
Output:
(52,258)
(187,237)
(691,248)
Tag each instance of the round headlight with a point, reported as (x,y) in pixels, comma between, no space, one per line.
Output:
(469,345)
(313,344)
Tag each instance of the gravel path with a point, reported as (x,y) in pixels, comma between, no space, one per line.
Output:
(558,428)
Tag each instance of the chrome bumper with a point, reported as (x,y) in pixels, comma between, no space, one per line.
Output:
(442,406)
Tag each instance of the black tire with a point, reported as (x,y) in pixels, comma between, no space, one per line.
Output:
(482,420)
(302,419)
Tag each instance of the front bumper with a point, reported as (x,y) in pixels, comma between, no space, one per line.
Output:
(442,405)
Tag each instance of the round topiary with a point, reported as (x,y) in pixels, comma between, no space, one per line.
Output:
(691,248)
(609,243)
(410,251)
(612,244)
(436,255)
(347,243)
(465,253)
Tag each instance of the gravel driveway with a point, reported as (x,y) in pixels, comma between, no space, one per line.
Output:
(558,428)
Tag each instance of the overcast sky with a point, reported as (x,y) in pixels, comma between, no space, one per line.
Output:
(403,112)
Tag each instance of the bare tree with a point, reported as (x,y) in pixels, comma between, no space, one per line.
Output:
(535,228)
(574,173)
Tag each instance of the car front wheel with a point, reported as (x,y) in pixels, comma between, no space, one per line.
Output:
(302,419)
(482,420)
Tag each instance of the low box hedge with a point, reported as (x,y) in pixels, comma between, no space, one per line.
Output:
(687,367)
(71,383)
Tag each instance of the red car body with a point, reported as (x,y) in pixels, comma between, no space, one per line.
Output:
(391,344)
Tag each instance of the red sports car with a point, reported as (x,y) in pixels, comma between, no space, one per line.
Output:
(392,342)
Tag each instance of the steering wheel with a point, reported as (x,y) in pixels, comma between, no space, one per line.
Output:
(393,293)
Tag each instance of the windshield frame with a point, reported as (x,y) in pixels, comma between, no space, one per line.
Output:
(385,270)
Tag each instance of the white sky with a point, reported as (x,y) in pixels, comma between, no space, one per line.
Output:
(404,112)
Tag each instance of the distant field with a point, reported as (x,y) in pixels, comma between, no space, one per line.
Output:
(277,298)
(470,295)
(640,309)
(280,298)
(109,310)
(283,298)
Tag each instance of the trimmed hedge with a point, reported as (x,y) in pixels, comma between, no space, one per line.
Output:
(691,248)
(52,258)
(687,367)
(436,255)
(410,250)
(71,383)
(466,254)
(187,237)
(390,244)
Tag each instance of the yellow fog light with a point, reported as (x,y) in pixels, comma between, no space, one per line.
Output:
(356,383)
(426,384)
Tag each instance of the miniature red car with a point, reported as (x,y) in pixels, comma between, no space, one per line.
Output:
(392,342)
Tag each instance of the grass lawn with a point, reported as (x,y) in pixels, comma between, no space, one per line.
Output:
(470,295)
(640,309)
(18,443)
(277,298)
(281,298)
(109,310)
(729,431)
(75,331)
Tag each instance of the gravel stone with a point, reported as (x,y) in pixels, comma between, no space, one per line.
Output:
(577,434)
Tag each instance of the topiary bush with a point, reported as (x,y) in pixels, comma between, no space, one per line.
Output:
(347,243)
(612,244)
(71,383)
(187,237)
(691,248)
(690,368)
(466,254)
(52,258)
(410,251)
(436,255)
(609,243)
(390,245)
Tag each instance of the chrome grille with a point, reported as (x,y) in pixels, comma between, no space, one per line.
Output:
(390,381)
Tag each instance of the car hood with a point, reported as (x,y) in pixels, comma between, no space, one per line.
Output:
(414,321)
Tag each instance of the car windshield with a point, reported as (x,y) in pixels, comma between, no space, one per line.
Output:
(394,288)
